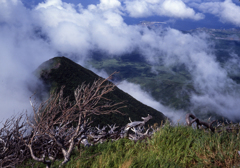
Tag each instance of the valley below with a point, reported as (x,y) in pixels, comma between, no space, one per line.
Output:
(175,85)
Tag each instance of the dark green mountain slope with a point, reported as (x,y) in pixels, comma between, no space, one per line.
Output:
(62,71)
(171,86)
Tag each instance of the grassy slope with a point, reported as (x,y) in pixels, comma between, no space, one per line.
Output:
(171,86)
(62,71)
(178,146)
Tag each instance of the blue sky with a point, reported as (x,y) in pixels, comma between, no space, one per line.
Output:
(211,18)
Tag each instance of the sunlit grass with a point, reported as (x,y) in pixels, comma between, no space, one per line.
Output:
(170,146)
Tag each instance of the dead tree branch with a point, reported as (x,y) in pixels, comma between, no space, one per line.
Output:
(135,124)
(12,148)
(65,123)
(199,122)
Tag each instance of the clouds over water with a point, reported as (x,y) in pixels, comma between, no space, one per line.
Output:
(32,36)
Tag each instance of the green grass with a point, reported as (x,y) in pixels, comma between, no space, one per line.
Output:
(178,146)
(171,85)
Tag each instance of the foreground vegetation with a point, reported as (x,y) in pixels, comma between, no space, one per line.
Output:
(170,146)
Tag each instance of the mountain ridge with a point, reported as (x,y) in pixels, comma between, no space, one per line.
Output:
(60,71)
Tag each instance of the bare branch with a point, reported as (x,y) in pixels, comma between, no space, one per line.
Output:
(199,122)
(65,123)
(135,124)
(12,148)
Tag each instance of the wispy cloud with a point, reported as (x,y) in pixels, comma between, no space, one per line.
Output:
(144,97)
(216,91)
(226,11)
(21,52)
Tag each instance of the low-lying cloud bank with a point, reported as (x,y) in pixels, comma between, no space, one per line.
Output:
(32,36)
(144,97)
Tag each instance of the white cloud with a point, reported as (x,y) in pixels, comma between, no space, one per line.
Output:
(21,53)
(109,4)
(49,3)
(170,8)
(227,11)
(135,91)
(78,32)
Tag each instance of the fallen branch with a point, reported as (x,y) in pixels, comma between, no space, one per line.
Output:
(199,122)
